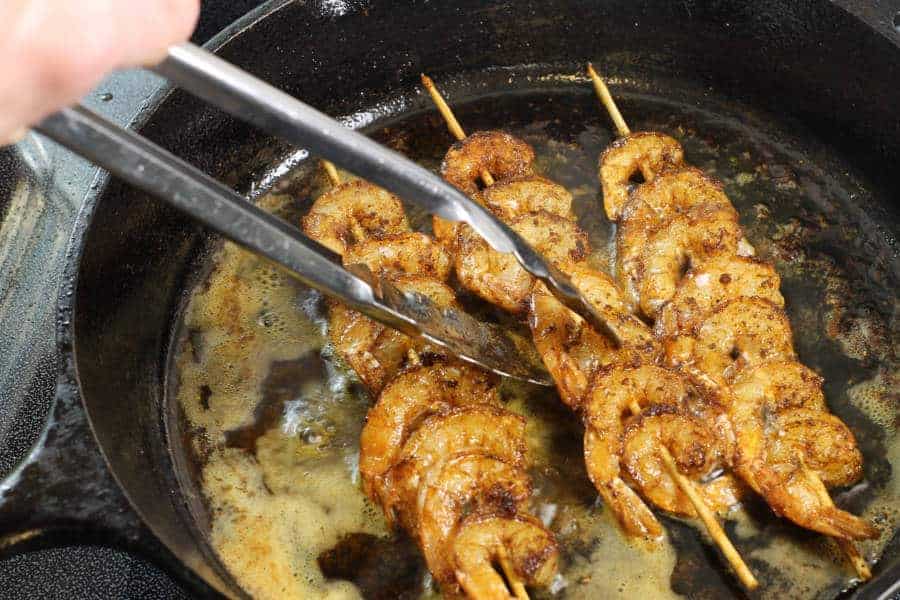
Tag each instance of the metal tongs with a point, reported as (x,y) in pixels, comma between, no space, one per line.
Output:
(159,173)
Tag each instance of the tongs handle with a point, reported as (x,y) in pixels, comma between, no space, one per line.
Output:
(272,110)
(250,99)
(159,173)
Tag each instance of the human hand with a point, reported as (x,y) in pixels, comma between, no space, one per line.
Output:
(52,52)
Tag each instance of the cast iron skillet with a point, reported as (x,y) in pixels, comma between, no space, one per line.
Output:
(132,258)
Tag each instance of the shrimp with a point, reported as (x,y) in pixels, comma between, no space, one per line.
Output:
(607,403)
(412,395)
(780,385)
(681,243)
(520,544)
(825,443)
(697,451)
(805,428)
(354,212)
(497,277)
(787,473)
(672,192)
(738,335)
(647,152)
(468,484)
(510,199)
(718,279)
(573,351)
(409,252)
(498,153)
(478,429)
(686,192)
(376,352)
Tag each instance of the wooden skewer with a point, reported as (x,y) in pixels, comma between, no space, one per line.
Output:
(331,171)
(452,124)
(608,102)
(848,547)
(706,515)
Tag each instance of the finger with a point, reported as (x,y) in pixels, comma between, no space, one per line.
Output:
(59,49)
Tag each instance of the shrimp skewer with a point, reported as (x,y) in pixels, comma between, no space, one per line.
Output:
(706,515)
(438,452)
(753,297)
(571,386)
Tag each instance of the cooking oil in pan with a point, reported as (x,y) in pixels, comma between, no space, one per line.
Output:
(272,420)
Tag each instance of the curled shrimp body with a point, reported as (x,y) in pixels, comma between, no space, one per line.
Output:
(408,252)
(408,398)
(645,152)
(573,351)
(715,281)
(672,192)
(376,352)
(498,153)
(521,543)
(780,385)
(685,192)
(679,244)
(781,454)
(467,484)
(737,335)
(476,429)
(826,444)
(516,197)
(353,212)
(606,406)
(497,277)
(697,451)
(789,397)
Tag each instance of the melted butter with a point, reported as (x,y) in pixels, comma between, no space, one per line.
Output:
(270,538)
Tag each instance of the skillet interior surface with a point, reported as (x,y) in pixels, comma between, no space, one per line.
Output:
(809,180)
(272,419)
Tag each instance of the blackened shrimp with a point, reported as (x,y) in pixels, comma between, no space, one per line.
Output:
(486,430)
(606,407)
(646,153)
(780,457)
(467,484)
(376,352)
(497,277)
(573,351)
(516,197)
(354,212)
(412,395)
(737,335)
(717,280)
(698,452)
(500,154)
(678,245)
(408,252)
(521,544)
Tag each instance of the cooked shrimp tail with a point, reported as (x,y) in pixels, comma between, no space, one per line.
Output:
(798,500)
